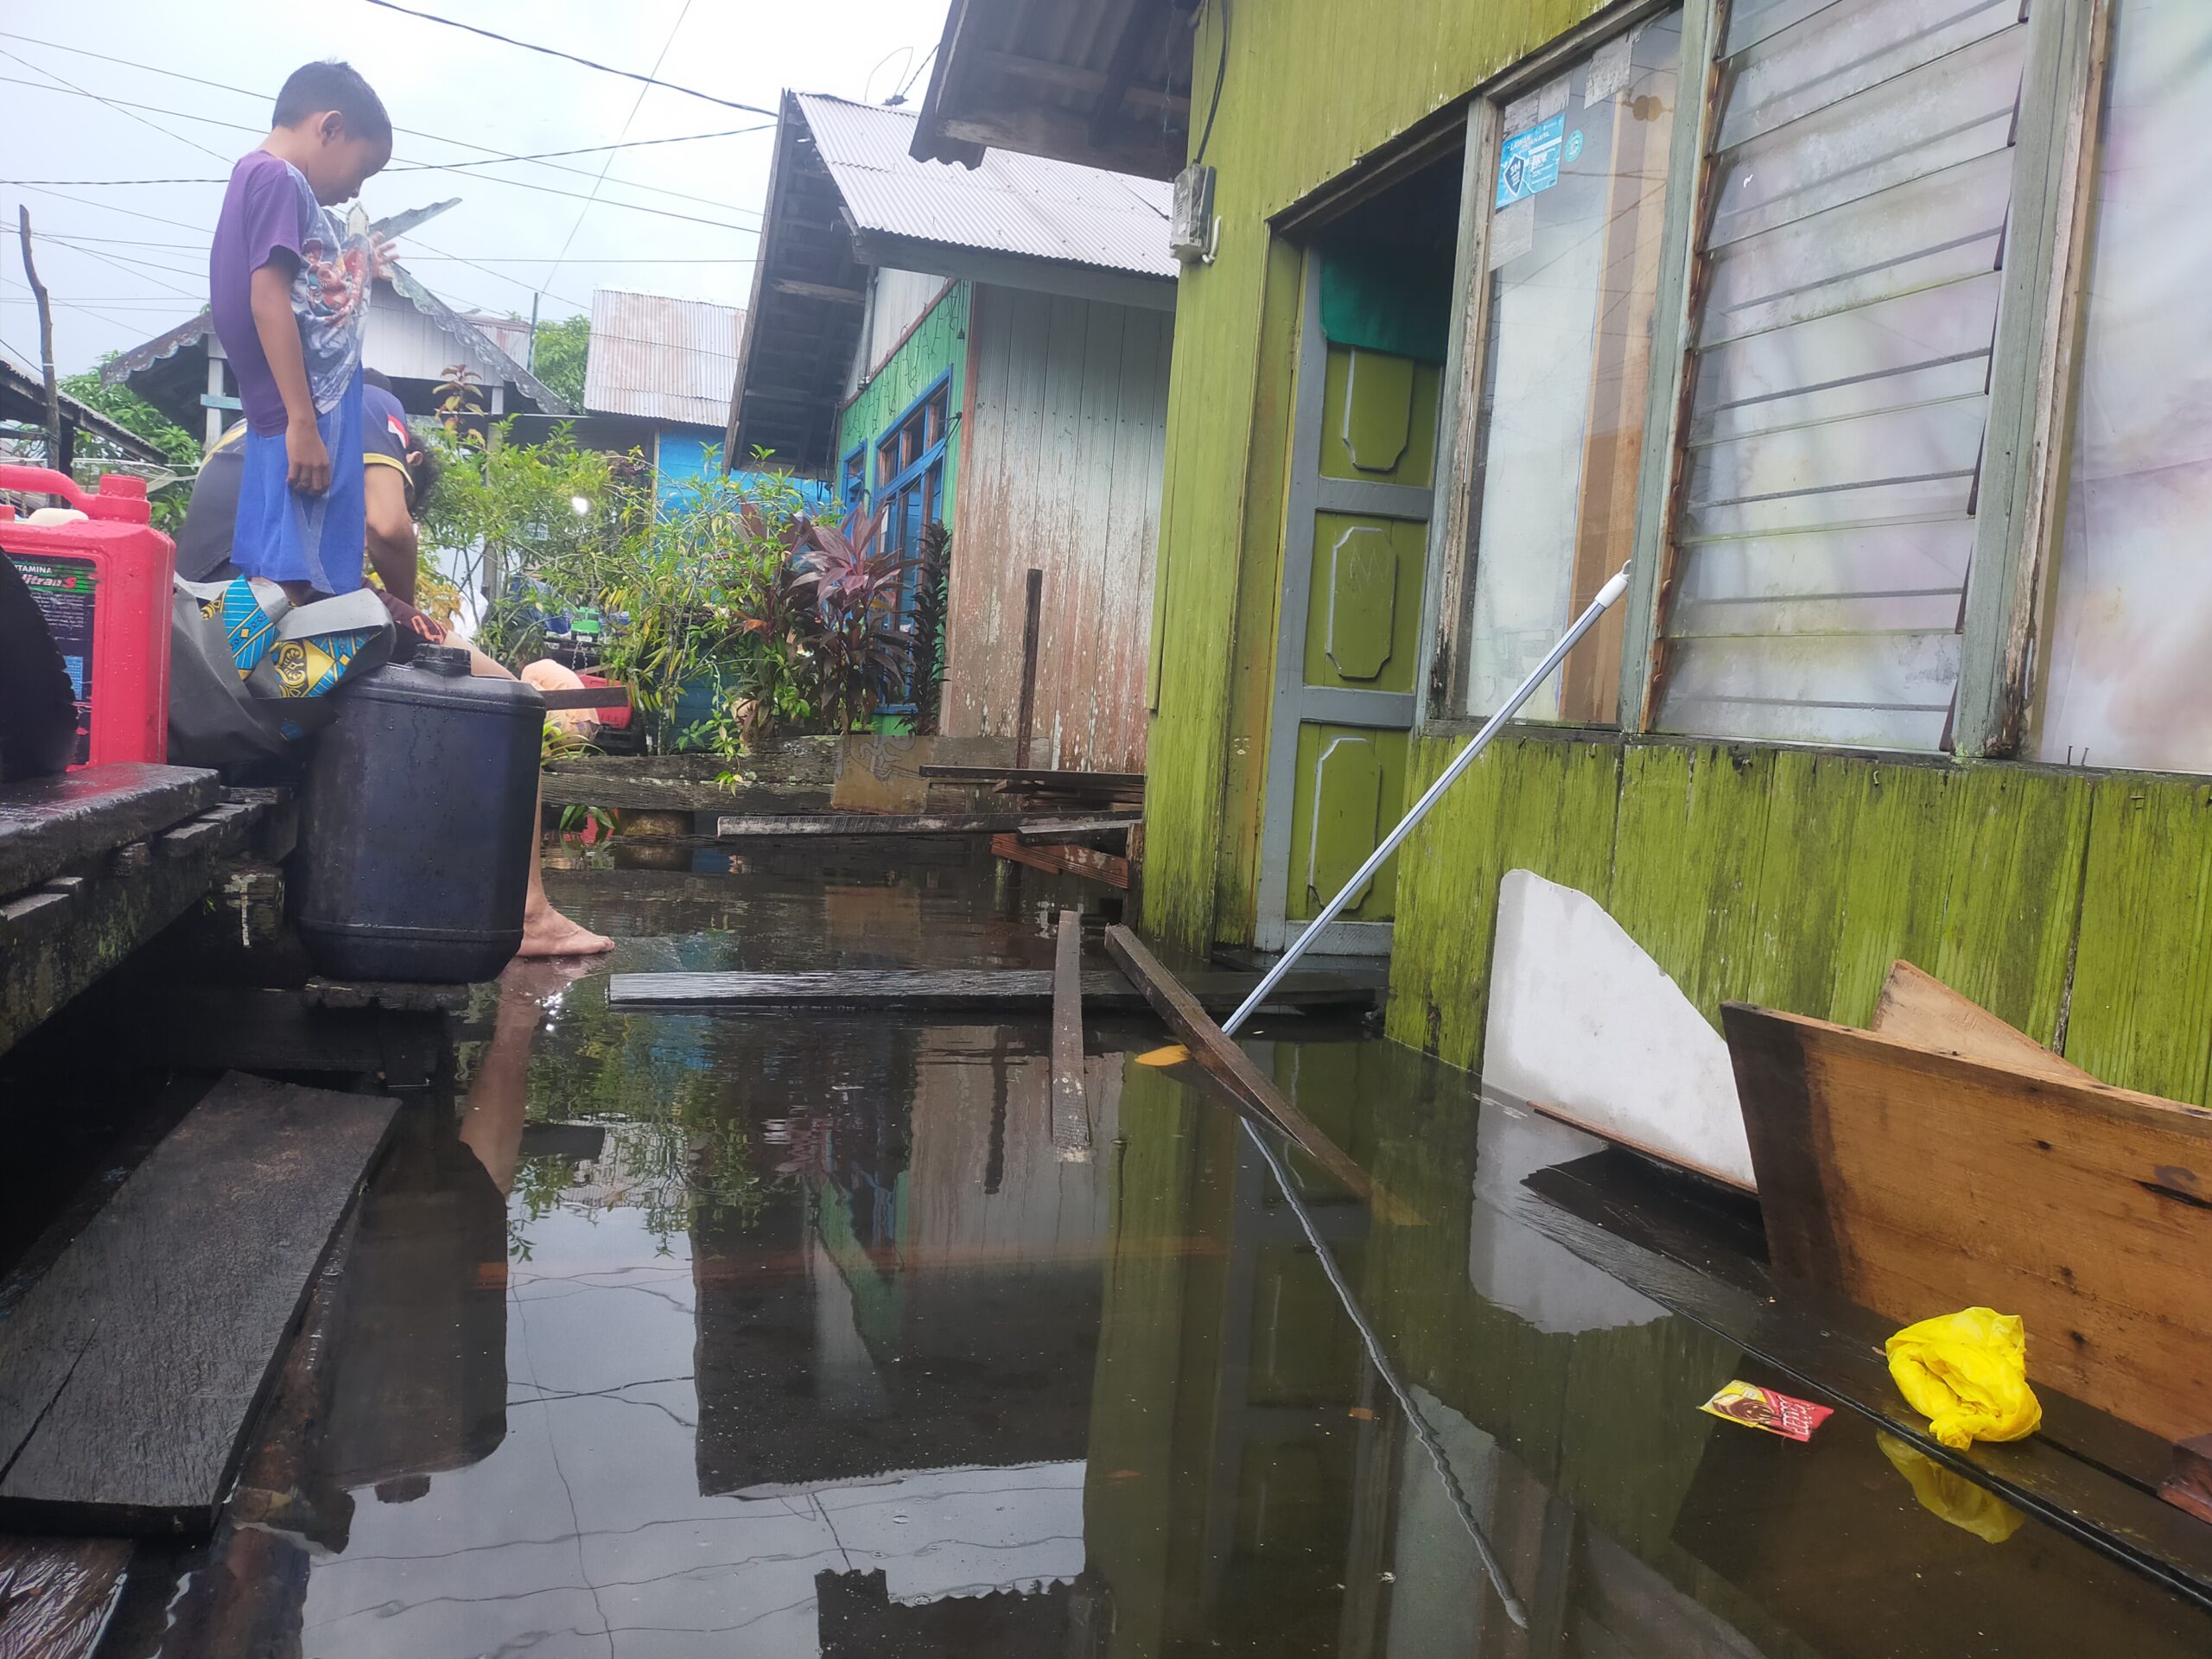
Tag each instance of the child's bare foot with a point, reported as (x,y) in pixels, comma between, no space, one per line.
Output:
(547,932)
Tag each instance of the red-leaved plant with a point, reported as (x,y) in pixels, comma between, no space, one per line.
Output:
(853,584)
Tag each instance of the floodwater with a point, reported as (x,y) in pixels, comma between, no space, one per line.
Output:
(791,1334)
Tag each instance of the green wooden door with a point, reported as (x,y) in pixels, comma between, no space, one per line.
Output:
(1355,551)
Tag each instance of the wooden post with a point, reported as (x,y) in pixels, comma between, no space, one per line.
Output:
(57,453)
(1026,717)
(1071,1109)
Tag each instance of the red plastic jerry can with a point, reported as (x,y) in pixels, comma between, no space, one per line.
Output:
(103,582)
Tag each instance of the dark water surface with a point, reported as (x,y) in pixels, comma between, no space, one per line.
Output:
(791,1334)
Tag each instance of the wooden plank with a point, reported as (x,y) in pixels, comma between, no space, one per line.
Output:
(2080,1475)
(1918,1007)
(130,1374)
(1025,718)
(220,829)
(1055,780)
(1106,826)
(1065,859)
(1227,1063)
(1026,988)
(1913,1183)
(588,696)
(772,826)
(50,823)
(2190,1486)
(55,1595)
(1071,1111)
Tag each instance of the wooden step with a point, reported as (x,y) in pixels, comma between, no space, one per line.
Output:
(131,1373)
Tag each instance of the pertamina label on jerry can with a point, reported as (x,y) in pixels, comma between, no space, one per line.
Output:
(103,583)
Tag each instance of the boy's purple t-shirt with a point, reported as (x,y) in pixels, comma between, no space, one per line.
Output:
(269,212)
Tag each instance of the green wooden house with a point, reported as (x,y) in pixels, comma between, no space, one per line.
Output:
(1866,332)
(986,349)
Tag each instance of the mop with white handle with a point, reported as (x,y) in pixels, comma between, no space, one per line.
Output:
(1174,1054)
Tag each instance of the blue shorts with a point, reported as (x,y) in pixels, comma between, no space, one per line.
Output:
(317,539)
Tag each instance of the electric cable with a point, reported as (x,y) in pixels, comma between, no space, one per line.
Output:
(1220,75)
(571,57)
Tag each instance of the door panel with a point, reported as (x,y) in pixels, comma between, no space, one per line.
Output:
(1355,555)
(1351,783)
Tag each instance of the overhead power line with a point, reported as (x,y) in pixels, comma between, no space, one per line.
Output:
(491,155)
(588,63)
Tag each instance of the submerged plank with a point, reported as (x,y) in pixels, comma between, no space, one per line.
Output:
(1913,1183)
(1918,1007)
(49,823)
(774,826)
(1063,858)
(1071,1109)
(130,1373)
(964,988)
(2084,1473)
(1227,1063)
(56,1594)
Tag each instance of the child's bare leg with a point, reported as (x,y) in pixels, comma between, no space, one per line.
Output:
(545,930)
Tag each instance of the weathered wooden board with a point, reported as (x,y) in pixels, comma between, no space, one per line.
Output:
(2084,1474)
(130,1374)
(965,988)
(1022,780)
(1915,1183)
(1227,1063)
(1063,858)
(49,823)
(1918,1007)
(783,826)
(1071,1109)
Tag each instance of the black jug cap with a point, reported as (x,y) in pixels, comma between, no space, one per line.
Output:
(450,662)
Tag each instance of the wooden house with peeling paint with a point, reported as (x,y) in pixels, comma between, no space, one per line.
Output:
(988,349)
(1867,332)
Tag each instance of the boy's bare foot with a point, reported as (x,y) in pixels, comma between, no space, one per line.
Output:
(547,932)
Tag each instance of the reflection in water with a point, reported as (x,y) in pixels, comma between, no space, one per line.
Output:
(792,1337)
(1383,1369)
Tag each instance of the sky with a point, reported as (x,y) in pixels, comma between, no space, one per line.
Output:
(118,278)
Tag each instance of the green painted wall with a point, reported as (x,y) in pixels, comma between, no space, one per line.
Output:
(1312,86)
(2076,908)
(939,343)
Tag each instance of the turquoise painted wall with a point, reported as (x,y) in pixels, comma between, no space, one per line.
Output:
(684,455)
(937,346)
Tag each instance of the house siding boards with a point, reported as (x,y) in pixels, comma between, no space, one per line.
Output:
(1062,475)
(937,346)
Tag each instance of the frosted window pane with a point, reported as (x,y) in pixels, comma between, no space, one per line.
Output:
(2128,647)
(1560,429)
(1841,371)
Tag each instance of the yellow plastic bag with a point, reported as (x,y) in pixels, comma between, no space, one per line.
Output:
(1951,1495)
(1968,1374)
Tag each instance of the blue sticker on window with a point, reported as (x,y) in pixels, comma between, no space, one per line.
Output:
(1530,161)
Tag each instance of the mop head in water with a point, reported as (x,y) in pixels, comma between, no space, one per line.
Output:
(1173,1054)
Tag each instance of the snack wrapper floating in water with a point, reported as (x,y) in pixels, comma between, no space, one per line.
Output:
(1778,1413)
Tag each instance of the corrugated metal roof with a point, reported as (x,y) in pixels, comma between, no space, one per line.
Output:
(664,359)
(1011,204)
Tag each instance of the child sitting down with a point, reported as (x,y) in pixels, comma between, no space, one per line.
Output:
(290,296)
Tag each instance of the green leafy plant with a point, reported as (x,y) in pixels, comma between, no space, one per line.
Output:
(866,649)
(932,596)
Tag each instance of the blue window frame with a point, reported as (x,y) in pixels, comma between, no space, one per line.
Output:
(909,461)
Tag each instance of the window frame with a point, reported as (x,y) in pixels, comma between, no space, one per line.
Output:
(924,473)
(2030,375)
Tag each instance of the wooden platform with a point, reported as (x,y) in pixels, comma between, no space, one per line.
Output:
(1008,989)
(48,824)
(130,1374)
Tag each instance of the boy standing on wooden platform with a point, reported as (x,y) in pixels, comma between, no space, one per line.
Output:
(289,293)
